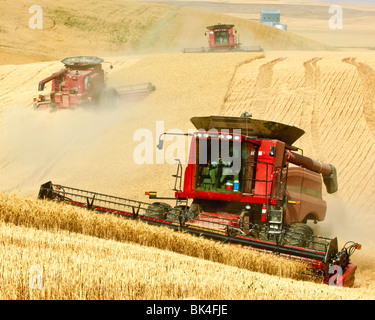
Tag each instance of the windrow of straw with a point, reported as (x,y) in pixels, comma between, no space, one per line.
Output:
(47,215)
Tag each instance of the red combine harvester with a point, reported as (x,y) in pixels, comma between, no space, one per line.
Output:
(82,82)
(244,184)
(223,38)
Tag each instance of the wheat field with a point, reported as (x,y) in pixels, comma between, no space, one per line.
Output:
(117,27)
(309,84)
(85,255)
(330,96)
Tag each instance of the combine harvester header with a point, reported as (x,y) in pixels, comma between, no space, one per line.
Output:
(264,203)
(82,82)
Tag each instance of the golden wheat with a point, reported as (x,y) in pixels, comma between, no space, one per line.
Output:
(116,26)
(51,216)
(331,97)
(76,266)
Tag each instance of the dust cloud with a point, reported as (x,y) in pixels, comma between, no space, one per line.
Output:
(40,145)
(349,225)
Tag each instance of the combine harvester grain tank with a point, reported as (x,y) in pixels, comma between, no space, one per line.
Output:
(263,203)
(82,82)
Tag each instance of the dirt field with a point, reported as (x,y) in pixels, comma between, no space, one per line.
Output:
(309,84)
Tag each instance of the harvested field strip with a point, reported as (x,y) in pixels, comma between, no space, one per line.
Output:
(330,97)
(263,85)
(311,109)
(286,92)
(367,76)
(234,76)
(47,215)
(27,77)
(242,89)
(343,100)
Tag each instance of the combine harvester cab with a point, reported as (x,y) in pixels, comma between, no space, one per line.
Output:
(223,38)
(82,82)
(244,184)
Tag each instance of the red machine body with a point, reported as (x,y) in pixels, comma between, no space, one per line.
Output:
(260,182)
(82,81)
(223,38)
(268,198)
(246,184)
(263,176)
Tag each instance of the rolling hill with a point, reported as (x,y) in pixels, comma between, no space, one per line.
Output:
(300,82)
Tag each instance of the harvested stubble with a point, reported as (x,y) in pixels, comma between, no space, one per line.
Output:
(47,215)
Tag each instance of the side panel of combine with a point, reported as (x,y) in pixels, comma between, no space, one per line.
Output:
(231,37)
(211,39)
(294,187)
(304,189)
(312,204)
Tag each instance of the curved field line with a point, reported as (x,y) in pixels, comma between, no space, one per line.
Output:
(311,107)
(236,88)
(367,76)
(240,95)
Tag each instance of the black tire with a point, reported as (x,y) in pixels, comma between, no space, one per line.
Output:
(177,213)
(196,209)
(109,98)
(158,210)
(299,235)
